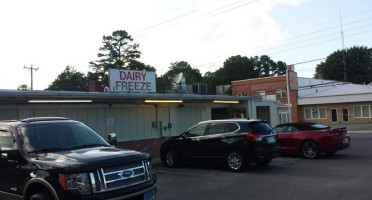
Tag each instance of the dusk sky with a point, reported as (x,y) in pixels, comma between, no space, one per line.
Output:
(53,34)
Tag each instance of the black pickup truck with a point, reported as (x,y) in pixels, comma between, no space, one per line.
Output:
(61,159)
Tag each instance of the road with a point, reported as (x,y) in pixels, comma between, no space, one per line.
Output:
(345,175)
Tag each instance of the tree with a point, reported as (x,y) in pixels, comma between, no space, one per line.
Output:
(136,65)
(358,65)
(241,67)
(70,80)
(191,75)
(117,52)
(23,87)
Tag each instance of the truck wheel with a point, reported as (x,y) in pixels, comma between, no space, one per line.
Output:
(41,196)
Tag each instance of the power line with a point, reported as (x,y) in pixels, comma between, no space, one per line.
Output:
(232,9)
(312,44)
(308,61)
(193,11)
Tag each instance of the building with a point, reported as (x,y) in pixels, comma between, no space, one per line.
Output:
(313,100)
(336,102)
(141,120)
(272,88)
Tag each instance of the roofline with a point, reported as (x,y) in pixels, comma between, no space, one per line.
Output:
(258,78)
(24,96)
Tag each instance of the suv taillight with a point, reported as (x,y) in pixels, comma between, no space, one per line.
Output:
(253,137)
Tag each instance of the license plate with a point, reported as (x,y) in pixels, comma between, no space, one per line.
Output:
(346,140)
(271,140)
(149,195)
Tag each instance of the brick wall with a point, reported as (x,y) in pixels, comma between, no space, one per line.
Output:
(269,85)
(150,146)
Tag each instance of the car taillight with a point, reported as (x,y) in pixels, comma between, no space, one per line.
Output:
(253,137)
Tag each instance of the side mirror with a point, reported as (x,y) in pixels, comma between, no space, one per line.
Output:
(112,140)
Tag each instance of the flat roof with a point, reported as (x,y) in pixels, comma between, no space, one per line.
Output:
(23,96)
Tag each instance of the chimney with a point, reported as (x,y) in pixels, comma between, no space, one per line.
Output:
(95,86)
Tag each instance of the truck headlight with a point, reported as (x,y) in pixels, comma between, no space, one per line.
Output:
(79,182)
(151,170)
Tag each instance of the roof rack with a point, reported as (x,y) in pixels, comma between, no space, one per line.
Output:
(38,119)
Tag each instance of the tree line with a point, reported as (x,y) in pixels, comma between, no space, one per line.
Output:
(118,51)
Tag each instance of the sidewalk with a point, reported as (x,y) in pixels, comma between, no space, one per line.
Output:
(354,127)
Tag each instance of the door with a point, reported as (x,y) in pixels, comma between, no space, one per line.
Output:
(286,137)
(191,145)
(334,114)
(219,138)
(345,115)
(11,173)
(263,112)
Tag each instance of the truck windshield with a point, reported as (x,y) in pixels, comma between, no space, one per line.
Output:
(58,136)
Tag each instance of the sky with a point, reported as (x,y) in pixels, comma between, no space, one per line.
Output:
(50,35)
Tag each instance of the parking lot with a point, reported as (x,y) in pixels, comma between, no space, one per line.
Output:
(345,175)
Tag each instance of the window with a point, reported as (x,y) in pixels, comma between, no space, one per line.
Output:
(281,93)
(216,129)
(55,136)
(362,111)
(260,94)
(198,130)
(6,140)
(219,128)
(315,113)
(286,129)
(284,117)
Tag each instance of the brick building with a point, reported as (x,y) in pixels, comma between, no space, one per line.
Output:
(272,88)
(312,100)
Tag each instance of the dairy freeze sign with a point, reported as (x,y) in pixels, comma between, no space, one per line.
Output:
(132,81)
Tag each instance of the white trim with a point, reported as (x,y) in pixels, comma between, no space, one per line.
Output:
(336,115)
(311,113)
(348,114)
(361,112)
(335,99)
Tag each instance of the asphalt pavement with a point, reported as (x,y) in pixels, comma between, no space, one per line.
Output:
(343,176)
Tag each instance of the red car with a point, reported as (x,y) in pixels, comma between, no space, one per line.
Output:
(311,139)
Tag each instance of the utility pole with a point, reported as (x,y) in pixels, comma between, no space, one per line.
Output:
(287,72)
(343,47)
(32,74)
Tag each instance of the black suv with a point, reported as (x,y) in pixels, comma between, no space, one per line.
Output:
(238,142)
(62,159)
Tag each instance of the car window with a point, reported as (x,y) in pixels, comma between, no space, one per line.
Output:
(261,128)
(63,135)
(6,140)
(319,126)
(198,130)
(216,128)
(286,129)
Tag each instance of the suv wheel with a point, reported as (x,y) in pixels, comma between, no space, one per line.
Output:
(310,149)
(235,161)
(41,196)
(171,158)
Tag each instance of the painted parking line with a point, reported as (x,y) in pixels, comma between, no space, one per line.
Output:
(181,173)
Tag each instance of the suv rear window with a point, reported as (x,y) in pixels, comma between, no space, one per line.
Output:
(261,128)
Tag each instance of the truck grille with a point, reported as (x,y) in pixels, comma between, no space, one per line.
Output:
(118,177)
